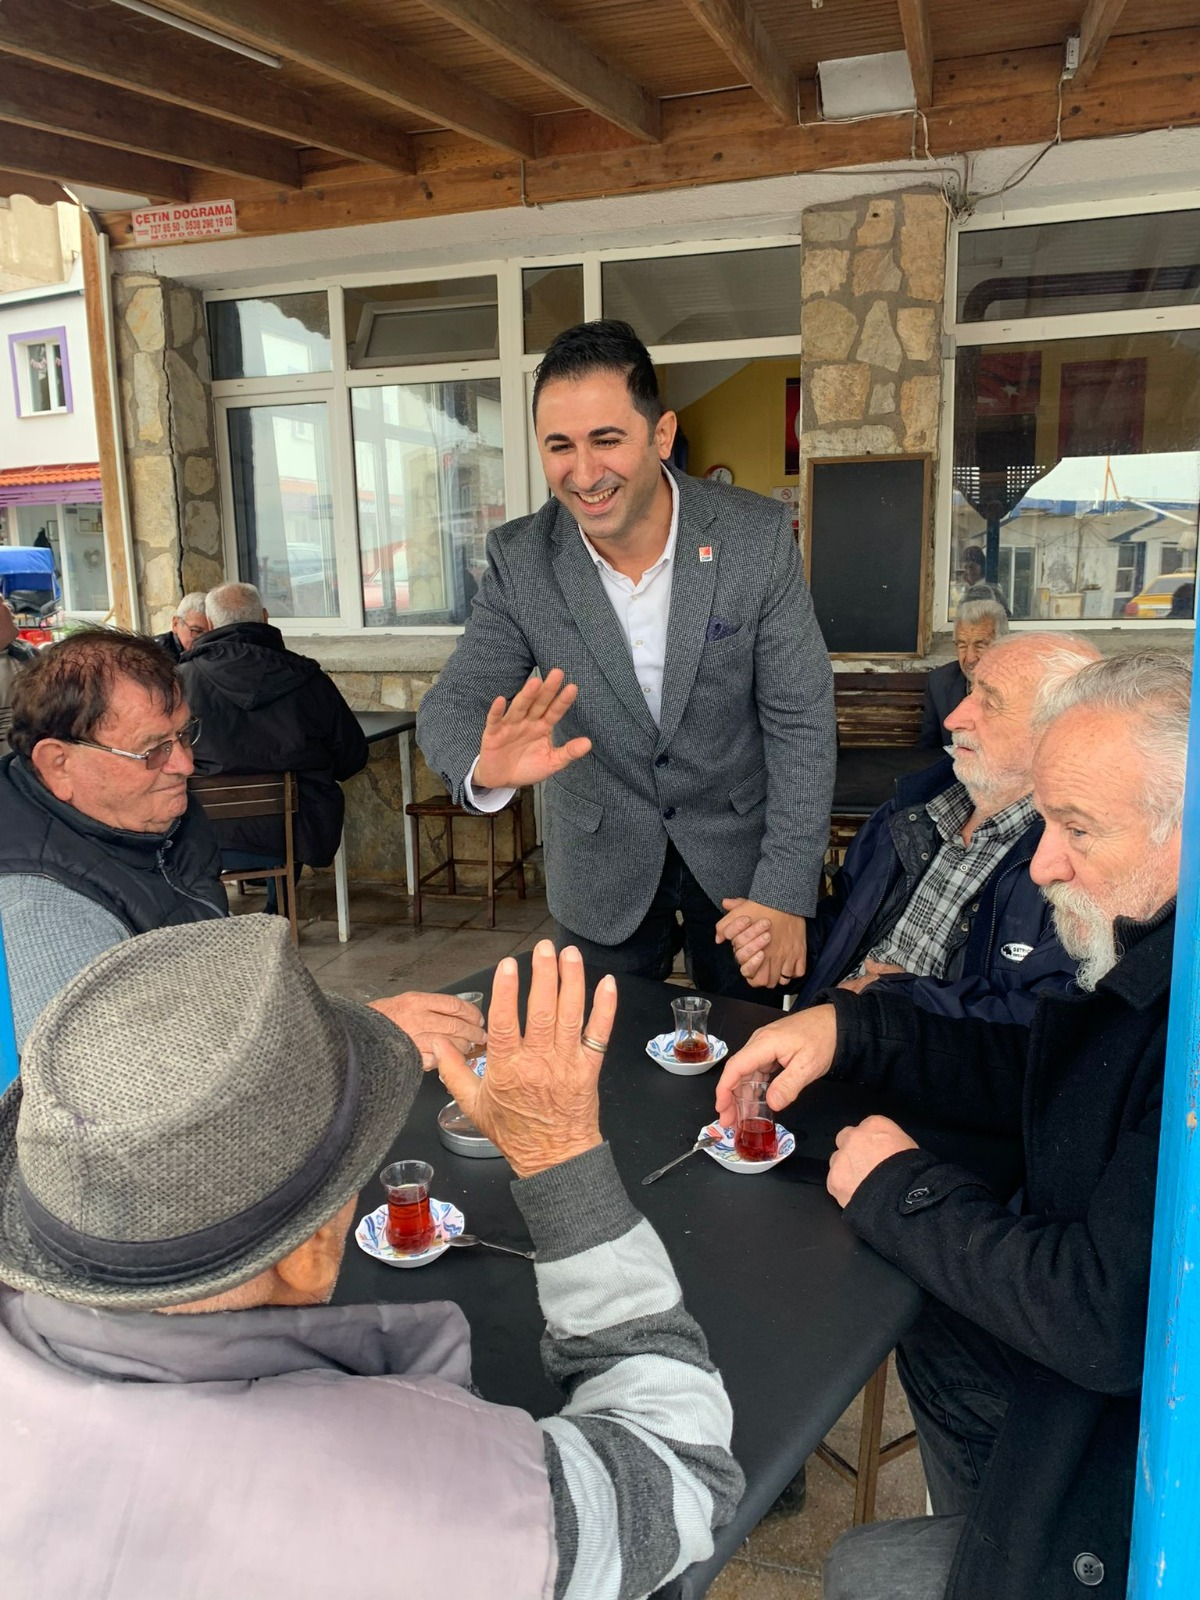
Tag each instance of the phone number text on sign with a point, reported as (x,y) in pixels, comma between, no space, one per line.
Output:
(200,219)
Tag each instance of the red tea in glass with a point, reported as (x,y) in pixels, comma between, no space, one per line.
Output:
(691,1043)
(410,1228)
(756,1139)
(692,1047)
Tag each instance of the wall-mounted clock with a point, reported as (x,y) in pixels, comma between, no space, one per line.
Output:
(720,474)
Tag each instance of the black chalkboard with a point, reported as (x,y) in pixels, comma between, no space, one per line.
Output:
(867,540)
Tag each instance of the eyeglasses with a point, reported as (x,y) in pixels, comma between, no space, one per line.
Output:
(158,754)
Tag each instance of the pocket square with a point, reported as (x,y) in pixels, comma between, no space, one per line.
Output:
(719,628)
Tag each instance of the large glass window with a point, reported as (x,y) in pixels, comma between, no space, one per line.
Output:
(429,470)
(1095,264)
(412,324)
(551,302)
(274,337)
(1077,476)
(283,506)
(729,294)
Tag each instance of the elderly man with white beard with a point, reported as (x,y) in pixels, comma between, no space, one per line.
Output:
(1023,1372)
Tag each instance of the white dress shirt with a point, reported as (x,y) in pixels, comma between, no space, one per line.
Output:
(643,610)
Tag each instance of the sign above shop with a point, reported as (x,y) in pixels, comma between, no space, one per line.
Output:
(196,219)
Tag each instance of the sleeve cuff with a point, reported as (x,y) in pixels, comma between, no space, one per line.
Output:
(485,800)
(570,1208)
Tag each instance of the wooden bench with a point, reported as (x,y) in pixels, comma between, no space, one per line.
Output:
(879,707)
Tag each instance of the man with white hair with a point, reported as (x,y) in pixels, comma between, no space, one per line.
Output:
(267,709)
(977,626)
(188,623)
(1023,1372)
(934,896)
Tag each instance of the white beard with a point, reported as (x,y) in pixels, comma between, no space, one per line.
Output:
(1084,932)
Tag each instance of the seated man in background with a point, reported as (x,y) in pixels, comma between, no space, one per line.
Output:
(98,838)
(1023,1371)
(271,1445)
(934,895)
(187,625)
(15,653)
(267,709)
(978,624)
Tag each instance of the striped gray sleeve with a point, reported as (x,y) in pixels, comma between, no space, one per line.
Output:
(638,1459)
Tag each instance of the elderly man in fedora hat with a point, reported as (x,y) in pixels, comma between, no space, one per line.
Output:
(181,1143)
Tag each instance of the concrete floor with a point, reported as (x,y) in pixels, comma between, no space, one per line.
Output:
(781,1560)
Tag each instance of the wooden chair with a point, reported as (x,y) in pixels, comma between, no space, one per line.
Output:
(872,708)
(872,1452)
(226,795)
(446,809)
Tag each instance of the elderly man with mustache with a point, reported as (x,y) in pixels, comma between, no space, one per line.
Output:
(1024,1370)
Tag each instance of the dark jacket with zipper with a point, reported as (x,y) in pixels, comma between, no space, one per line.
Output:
(1005,951)
(266,709)
(1061,1283)
(146,880)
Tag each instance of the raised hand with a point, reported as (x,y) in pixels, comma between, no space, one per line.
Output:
(802,1044)
(518,746)
(538,1102)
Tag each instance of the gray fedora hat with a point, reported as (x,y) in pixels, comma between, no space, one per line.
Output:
(190,1109)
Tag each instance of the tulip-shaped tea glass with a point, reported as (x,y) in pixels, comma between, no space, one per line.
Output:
(691,1028)
(409,1224)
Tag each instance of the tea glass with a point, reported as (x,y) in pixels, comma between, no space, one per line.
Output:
(410,1229)
(754,1137)
(691,1028)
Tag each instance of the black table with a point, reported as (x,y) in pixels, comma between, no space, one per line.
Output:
(798,1312)
(866,774)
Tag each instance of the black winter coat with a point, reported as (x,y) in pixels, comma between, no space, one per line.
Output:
(1063,1283)
(266,709)
(945,688)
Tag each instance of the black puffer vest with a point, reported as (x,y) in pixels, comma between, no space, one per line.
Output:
(147,880)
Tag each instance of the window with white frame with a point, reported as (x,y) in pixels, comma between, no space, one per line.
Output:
(1076,479)
(40,373)
(373,434)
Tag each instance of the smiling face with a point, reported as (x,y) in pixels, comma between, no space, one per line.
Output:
(602,458)
(113,789)
(1098,859)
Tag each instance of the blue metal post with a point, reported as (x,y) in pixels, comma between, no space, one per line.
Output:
(1165,1561)
(9,1065)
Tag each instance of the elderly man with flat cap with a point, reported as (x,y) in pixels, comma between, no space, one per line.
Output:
(192,1126)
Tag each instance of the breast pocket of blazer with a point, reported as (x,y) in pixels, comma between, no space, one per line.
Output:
(751,792)
(577,809)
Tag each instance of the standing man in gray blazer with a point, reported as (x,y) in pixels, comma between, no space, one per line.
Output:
(645,645)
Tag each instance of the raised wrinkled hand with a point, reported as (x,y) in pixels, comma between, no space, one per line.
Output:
(517,746)
(538,1100)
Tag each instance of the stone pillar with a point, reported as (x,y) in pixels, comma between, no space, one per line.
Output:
(170,449)
(874,274)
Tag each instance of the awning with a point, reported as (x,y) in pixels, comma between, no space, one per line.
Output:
(77,483)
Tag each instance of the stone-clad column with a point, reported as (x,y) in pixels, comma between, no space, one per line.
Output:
(170,454)
(873,283)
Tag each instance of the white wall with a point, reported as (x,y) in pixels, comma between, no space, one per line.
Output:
(56,437)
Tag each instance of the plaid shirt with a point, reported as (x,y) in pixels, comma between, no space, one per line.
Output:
(922,940)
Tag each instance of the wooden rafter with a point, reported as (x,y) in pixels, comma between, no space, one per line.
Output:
(914,20)
(328,42)
(50,155)
(43,190)
(738,29)
(37,97)
(544,47)
(1099,20)
(99,45)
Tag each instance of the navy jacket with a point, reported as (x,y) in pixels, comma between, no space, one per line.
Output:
(945,688)
(1005,950)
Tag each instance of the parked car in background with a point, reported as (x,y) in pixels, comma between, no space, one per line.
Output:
(1156,598)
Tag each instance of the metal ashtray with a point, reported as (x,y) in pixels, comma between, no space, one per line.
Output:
(458,1133)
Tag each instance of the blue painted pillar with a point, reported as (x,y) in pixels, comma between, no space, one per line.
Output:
(1165,1563)
(8,1034)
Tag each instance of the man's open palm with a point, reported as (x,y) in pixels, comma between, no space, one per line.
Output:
(518,745)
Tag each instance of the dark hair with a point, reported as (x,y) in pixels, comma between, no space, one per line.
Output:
(66,690)
(604,346)
(974,554)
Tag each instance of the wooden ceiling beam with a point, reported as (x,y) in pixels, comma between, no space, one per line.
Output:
(70,161)
(329,42)
(737,28)
(539,44)
(182,72)
(918,44)
(56,102)
(43,190)
(1099,20)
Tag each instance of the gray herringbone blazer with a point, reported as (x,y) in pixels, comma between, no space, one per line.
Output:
(739,774)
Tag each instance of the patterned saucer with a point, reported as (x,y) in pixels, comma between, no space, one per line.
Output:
(728,1157)
(662,1050)
(371,1235)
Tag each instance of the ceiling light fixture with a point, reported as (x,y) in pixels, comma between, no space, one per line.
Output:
(198,31)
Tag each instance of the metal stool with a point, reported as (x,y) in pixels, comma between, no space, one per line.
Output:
(446,808)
